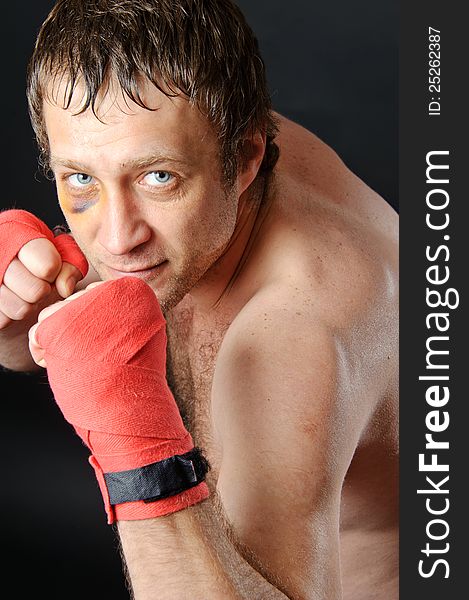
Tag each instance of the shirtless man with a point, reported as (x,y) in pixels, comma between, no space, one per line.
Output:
(278,282)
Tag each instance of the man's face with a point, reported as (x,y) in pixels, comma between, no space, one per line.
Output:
(142,190)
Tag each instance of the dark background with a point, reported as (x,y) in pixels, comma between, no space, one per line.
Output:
(332,67)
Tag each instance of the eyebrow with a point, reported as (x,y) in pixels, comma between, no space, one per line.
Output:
(137,163)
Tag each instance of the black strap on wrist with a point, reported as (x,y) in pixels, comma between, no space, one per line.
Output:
(159,480)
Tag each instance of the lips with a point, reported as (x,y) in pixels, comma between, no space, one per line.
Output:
(141,272)
(137,270)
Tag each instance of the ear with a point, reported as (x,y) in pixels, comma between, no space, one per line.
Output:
(253,150)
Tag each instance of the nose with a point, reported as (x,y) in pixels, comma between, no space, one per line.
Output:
(123,228)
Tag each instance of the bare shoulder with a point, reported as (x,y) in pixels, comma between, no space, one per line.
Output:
(315,167)
(339,237)
(279,370)
(325,309)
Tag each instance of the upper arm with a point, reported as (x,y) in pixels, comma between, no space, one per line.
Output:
(280,417)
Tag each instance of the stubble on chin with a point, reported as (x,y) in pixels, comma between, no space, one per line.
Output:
(178,286)
(171,298)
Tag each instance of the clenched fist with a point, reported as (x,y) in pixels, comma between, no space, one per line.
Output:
(105,353)
(32,262)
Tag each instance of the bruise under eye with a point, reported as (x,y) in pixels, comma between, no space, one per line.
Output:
(80,207)
(72,204)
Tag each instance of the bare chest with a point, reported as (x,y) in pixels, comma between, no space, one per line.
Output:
(192,355)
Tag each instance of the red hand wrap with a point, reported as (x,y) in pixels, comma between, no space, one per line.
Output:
(106,363)
(18,227)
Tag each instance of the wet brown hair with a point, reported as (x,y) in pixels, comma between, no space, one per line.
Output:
(202,49)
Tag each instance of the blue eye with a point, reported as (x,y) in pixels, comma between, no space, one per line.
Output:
(156,177)
(80,179)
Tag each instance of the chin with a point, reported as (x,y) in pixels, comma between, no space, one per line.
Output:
(175,287)
(170,293)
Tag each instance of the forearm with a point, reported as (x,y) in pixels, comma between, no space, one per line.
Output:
(188,555)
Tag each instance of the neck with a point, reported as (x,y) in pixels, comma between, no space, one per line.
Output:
(217,282)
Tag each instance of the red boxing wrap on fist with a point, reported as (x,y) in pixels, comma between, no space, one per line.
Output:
(18,227)
(106,361)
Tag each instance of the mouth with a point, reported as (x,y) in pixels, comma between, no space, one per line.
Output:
(145,273)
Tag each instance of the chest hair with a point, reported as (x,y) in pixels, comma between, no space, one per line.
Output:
(191,359)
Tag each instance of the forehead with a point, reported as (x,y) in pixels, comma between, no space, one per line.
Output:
(119,127)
